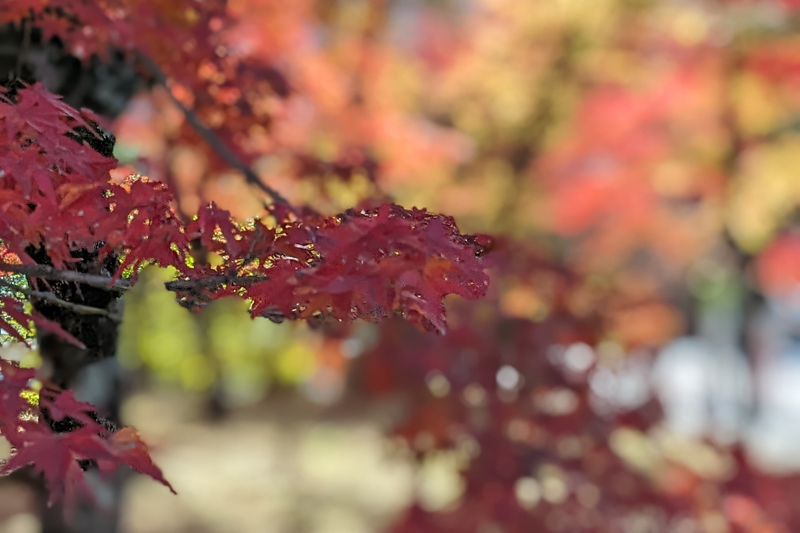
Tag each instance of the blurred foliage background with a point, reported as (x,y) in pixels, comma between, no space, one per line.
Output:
(638,161)
(647,146)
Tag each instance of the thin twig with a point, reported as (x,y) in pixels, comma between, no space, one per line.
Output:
(52,273)
(52,298)
(211,138)
(121,285)
(22,58)
(212,282)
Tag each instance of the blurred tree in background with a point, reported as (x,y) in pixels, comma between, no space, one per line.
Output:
(635,161)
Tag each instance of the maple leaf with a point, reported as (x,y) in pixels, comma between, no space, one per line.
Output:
(129,448)
(58,454)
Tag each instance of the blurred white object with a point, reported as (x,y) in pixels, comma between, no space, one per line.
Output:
(705,388)
(773,436)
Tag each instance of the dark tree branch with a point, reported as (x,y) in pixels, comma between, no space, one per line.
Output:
(121,285)
(211,138)
(212,282)
(52,298)
(52,273)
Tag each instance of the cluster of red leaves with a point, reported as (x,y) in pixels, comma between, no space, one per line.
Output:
(57,192)
(358,265)
(26,425)
(174,33)
(189,43)
(376,262)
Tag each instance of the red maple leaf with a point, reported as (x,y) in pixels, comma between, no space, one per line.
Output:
(57,455)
